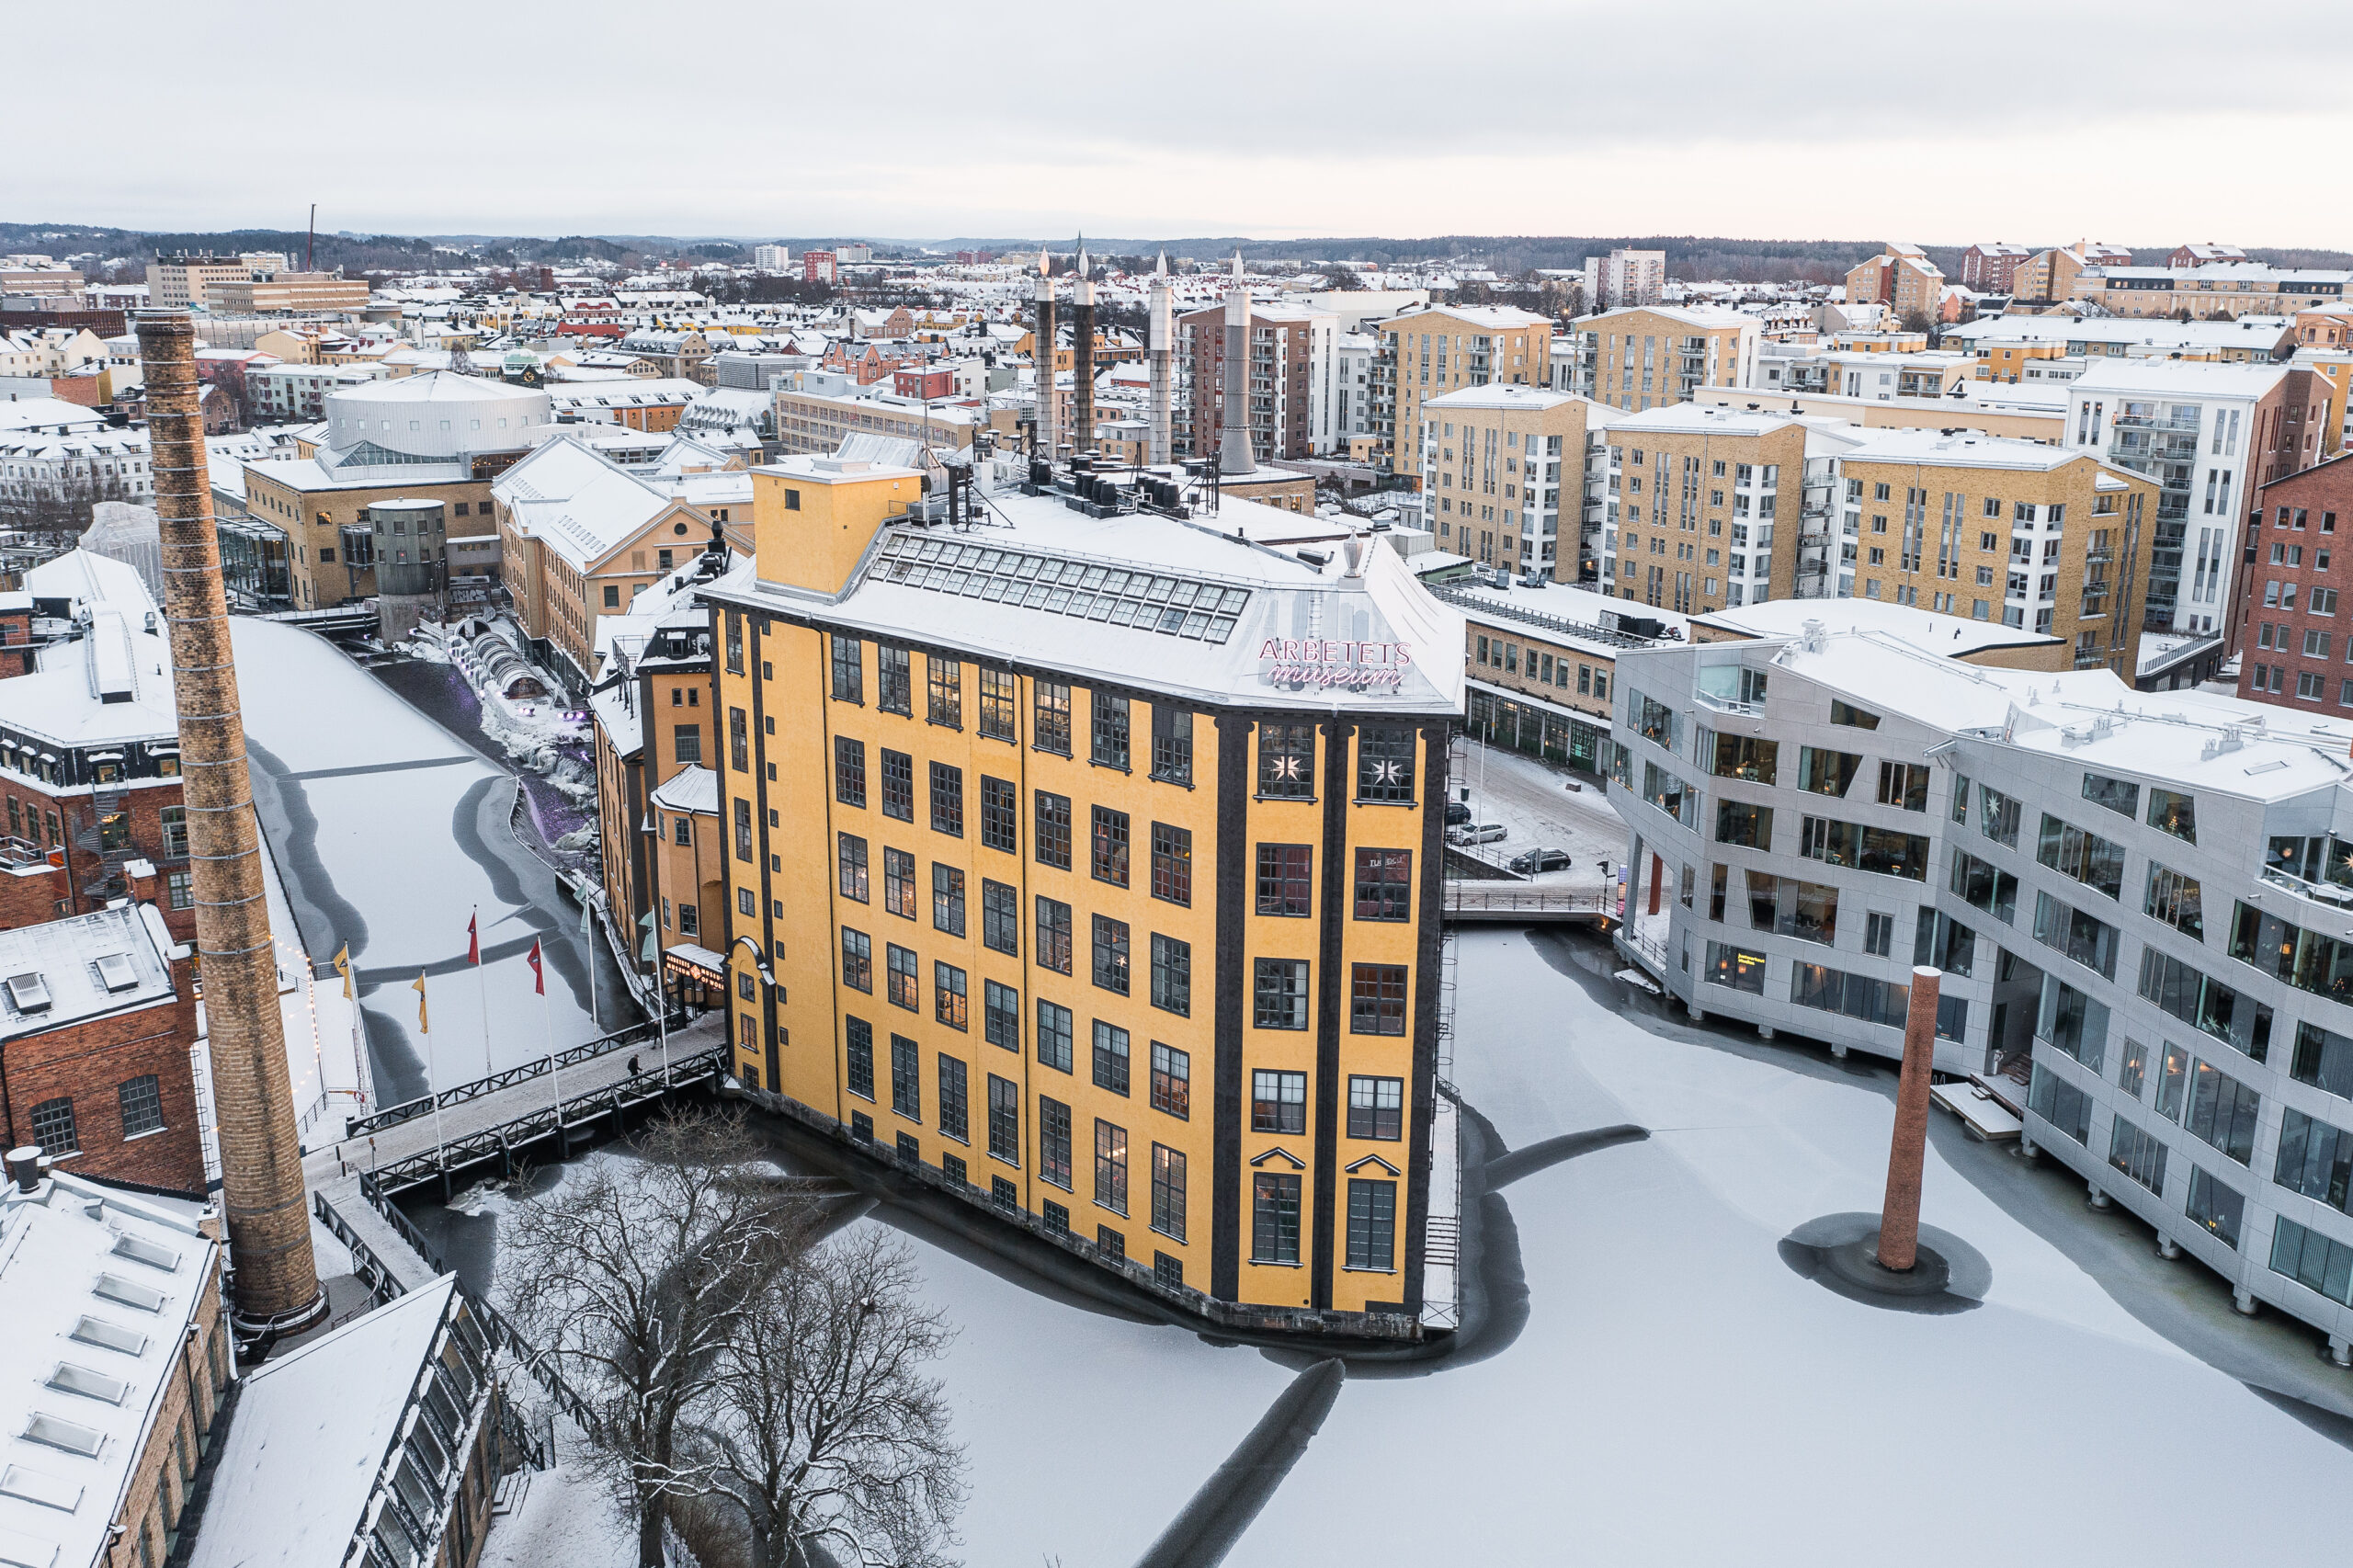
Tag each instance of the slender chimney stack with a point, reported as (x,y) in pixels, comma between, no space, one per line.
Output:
(1082,334)
(1042,337)
(1157,346)
(1907,1151)
(1234,454)
(263,1194)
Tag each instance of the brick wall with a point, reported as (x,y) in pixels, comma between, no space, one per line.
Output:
(88,1063)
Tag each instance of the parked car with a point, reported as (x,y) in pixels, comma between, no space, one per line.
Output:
(1573,787)
(1536,860)
(1457,813)
(1478,833)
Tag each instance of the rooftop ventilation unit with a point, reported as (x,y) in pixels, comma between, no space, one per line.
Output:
(29,993)
(116,973)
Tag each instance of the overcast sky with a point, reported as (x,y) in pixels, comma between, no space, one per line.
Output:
(2162,121)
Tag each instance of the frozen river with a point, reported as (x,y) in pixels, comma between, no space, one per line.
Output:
(1655,1385)
(389,832)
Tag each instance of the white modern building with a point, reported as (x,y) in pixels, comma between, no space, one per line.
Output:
(2210,434)
(1624,277)
(1811,816)
(771,259)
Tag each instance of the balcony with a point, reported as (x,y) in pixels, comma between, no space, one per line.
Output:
(2144,422)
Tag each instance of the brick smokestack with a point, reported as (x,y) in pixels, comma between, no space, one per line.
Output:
(1907,1153)
(263,1194)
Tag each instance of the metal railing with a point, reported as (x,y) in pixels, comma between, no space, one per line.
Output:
(572,1056)
(502,1332)
(1493,898)
(582,1110)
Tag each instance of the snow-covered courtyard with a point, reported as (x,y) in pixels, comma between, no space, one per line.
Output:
(390,833)
(1668,1391)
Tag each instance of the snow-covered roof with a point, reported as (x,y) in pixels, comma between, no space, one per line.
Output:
(114,961)
(693,787)
(579,501)
(1502,394)
(2194,377)
(79,577)
(314,1431)
(97,1290)
(1949,636)
(1191,607)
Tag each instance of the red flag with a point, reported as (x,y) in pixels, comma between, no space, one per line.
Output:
(474,939)
(539,979)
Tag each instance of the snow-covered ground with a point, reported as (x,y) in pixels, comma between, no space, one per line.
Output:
(1676,1395)
(1536,806)
(390,833)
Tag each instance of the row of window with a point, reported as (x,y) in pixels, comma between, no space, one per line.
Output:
(1278,986)
(139,1102)
(1385,755)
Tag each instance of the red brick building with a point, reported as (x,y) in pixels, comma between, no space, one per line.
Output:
(89,747)
(1992,268)
(2296,613)
(1290,345)
(97,1018)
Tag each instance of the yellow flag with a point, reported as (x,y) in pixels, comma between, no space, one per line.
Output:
(343,968)
(422,1027)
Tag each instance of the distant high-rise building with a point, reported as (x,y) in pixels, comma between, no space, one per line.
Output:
(771,259)
(1901,278)
(1990,269)
(817,266)
(1624,277)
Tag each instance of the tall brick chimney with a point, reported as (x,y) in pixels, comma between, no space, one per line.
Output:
(263,1194)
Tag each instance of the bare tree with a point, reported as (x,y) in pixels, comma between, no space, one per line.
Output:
(638,1277)
(836,1441)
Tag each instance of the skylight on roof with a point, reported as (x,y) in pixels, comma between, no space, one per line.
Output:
(155,1255)
(129,1292)
(71,1379)
(71,1436)
(1175,607)
(110,1336)
(38,1486)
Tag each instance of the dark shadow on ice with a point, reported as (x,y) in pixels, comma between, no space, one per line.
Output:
(1839,1253)
(2338,1429)
(1551,1152)
(1230,1499)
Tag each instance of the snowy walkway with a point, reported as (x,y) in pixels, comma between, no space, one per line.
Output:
(389,832)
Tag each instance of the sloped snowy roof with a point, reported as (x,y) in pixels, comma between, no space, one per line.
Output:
(311,1435)
(579,501)
(79,1264)
(693,787)
(80,577)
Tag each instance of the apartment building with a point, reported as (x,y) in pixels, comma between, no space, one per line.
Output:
(2051,842)
(1992,268)
(2211,290)
(655,735)
(272,292)
(1651,355)
(1495,460)
(1099,827)
(2208,435)
(1902,278)
(183,283)
(286,393)
(2049,276)
(580,537)
(2012,348)
(2293,647)
(650,403)
(2041,537)
(1295,353)
(1538,660)
(1429,353)
(771,259)
(816,412)
(2203,256)
(1624,277)
(1707,508)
